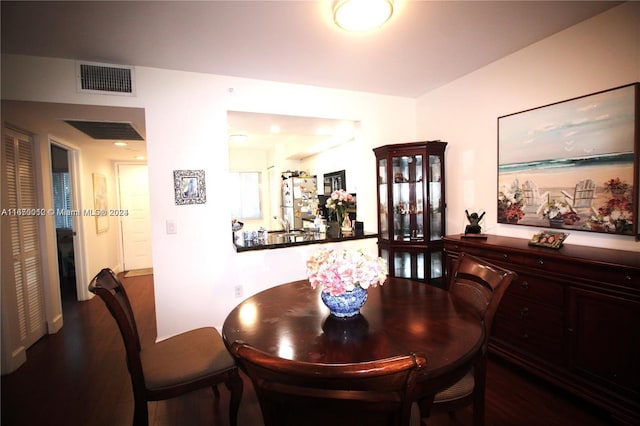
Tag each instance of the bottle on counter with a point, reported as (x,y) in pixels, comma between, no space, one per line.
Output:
(262,236)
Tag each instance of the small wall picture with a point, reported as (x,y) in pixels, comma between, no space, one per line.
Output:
(100,202)
(189,187)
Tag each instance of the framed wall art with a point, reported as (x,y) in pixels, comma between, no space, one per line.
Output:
(572,164)
(100,203)
(189,187)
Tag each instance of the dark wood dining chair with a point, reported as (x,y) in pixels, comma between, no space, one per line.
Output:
(175,366)
(477,285)
(300,393)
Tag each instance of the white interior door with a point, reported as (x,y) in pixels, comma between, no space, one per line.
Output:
(133,183)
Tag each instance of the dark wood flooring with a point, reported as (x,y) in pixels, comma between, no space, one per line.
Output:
(79,377)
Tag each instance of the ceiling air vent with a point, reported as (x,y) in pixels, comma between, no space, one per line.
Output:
(95,77)
(107,130)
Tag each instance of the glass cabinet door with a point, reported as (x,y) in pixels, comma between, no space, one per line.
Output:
(408,198)
(436,204)
(417,264)
(409,265)
(383,207)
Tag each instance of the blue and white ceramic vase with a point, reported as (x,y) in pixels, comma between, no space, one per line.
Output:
(347,304)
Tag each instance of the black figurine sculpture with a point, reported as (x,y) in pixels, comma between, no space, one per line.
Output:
(474,223)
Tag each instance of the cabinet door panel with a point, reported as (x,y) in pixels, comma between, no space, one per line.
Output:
(605,343)
(383,203)
(409,265)
(436,202)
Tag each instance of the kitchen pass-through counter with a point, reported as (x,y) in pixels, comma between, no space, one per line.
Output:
(282,239)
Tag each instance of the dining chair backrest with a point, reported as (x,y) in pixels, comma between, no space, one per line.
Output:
(109,288)
(191,360)
(480,285)
(331,393)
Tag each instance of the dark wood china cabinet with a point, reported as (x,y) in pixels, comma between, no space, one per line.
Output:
(411,209)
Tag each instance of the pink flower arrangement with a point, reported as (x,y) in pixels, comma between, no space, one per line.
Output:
(339,201)
(339,272)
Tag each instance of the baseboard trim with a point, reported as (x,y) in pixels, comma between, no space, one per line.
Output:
(55,324)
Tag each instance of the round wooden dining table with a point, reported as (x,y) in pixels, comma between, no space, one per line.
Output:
(290,321)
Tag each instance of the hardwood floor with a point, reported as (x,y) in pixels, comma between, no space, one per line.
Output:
(79,377)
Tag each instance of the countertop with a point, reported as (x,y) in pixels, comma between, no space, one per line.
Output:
(280,239)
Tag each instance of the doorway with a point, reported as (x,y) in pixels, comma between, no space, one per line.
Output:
(133,187)
(63,205)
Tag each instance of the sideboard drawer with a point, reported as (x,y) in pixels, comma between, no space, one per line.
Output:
(495,256)
(613,275)
(591,272)
(538,289)
(502,256)
(530,327)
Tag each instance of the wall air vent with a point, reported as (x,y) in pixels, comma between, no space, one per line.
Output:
(95,77)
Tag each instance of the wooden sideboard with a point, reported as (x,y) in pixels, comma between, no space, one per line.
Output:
(572,317)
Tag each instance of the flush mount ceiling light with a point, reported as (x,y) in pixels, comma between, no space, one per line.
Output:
(238,138)
(361,15)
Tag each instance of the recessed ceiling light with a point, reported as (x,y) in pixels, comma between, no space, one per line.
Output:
(120,143)
(140,157)
(275,129)
(361,15)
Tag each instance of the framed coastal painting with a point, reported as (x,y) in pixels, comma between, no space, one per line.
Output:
(572,164)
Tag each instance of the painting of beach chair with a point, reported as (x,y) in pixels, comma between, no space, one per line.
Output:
(533,200)
(583,195)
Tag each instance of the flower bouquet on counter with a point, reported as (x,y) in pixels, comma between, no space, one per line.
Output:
(339,201)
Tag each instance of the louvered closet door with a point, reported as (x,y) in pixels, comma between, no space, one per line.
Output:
(24,235)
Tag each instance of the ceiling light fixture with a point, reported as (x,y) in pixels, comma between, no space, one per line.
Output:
(361,15)
(238,138)
(120,143)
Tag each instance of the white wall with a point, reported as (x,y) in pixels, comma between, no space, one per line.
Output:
(598,54)
(343,157)
(197,269)
(202,248)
